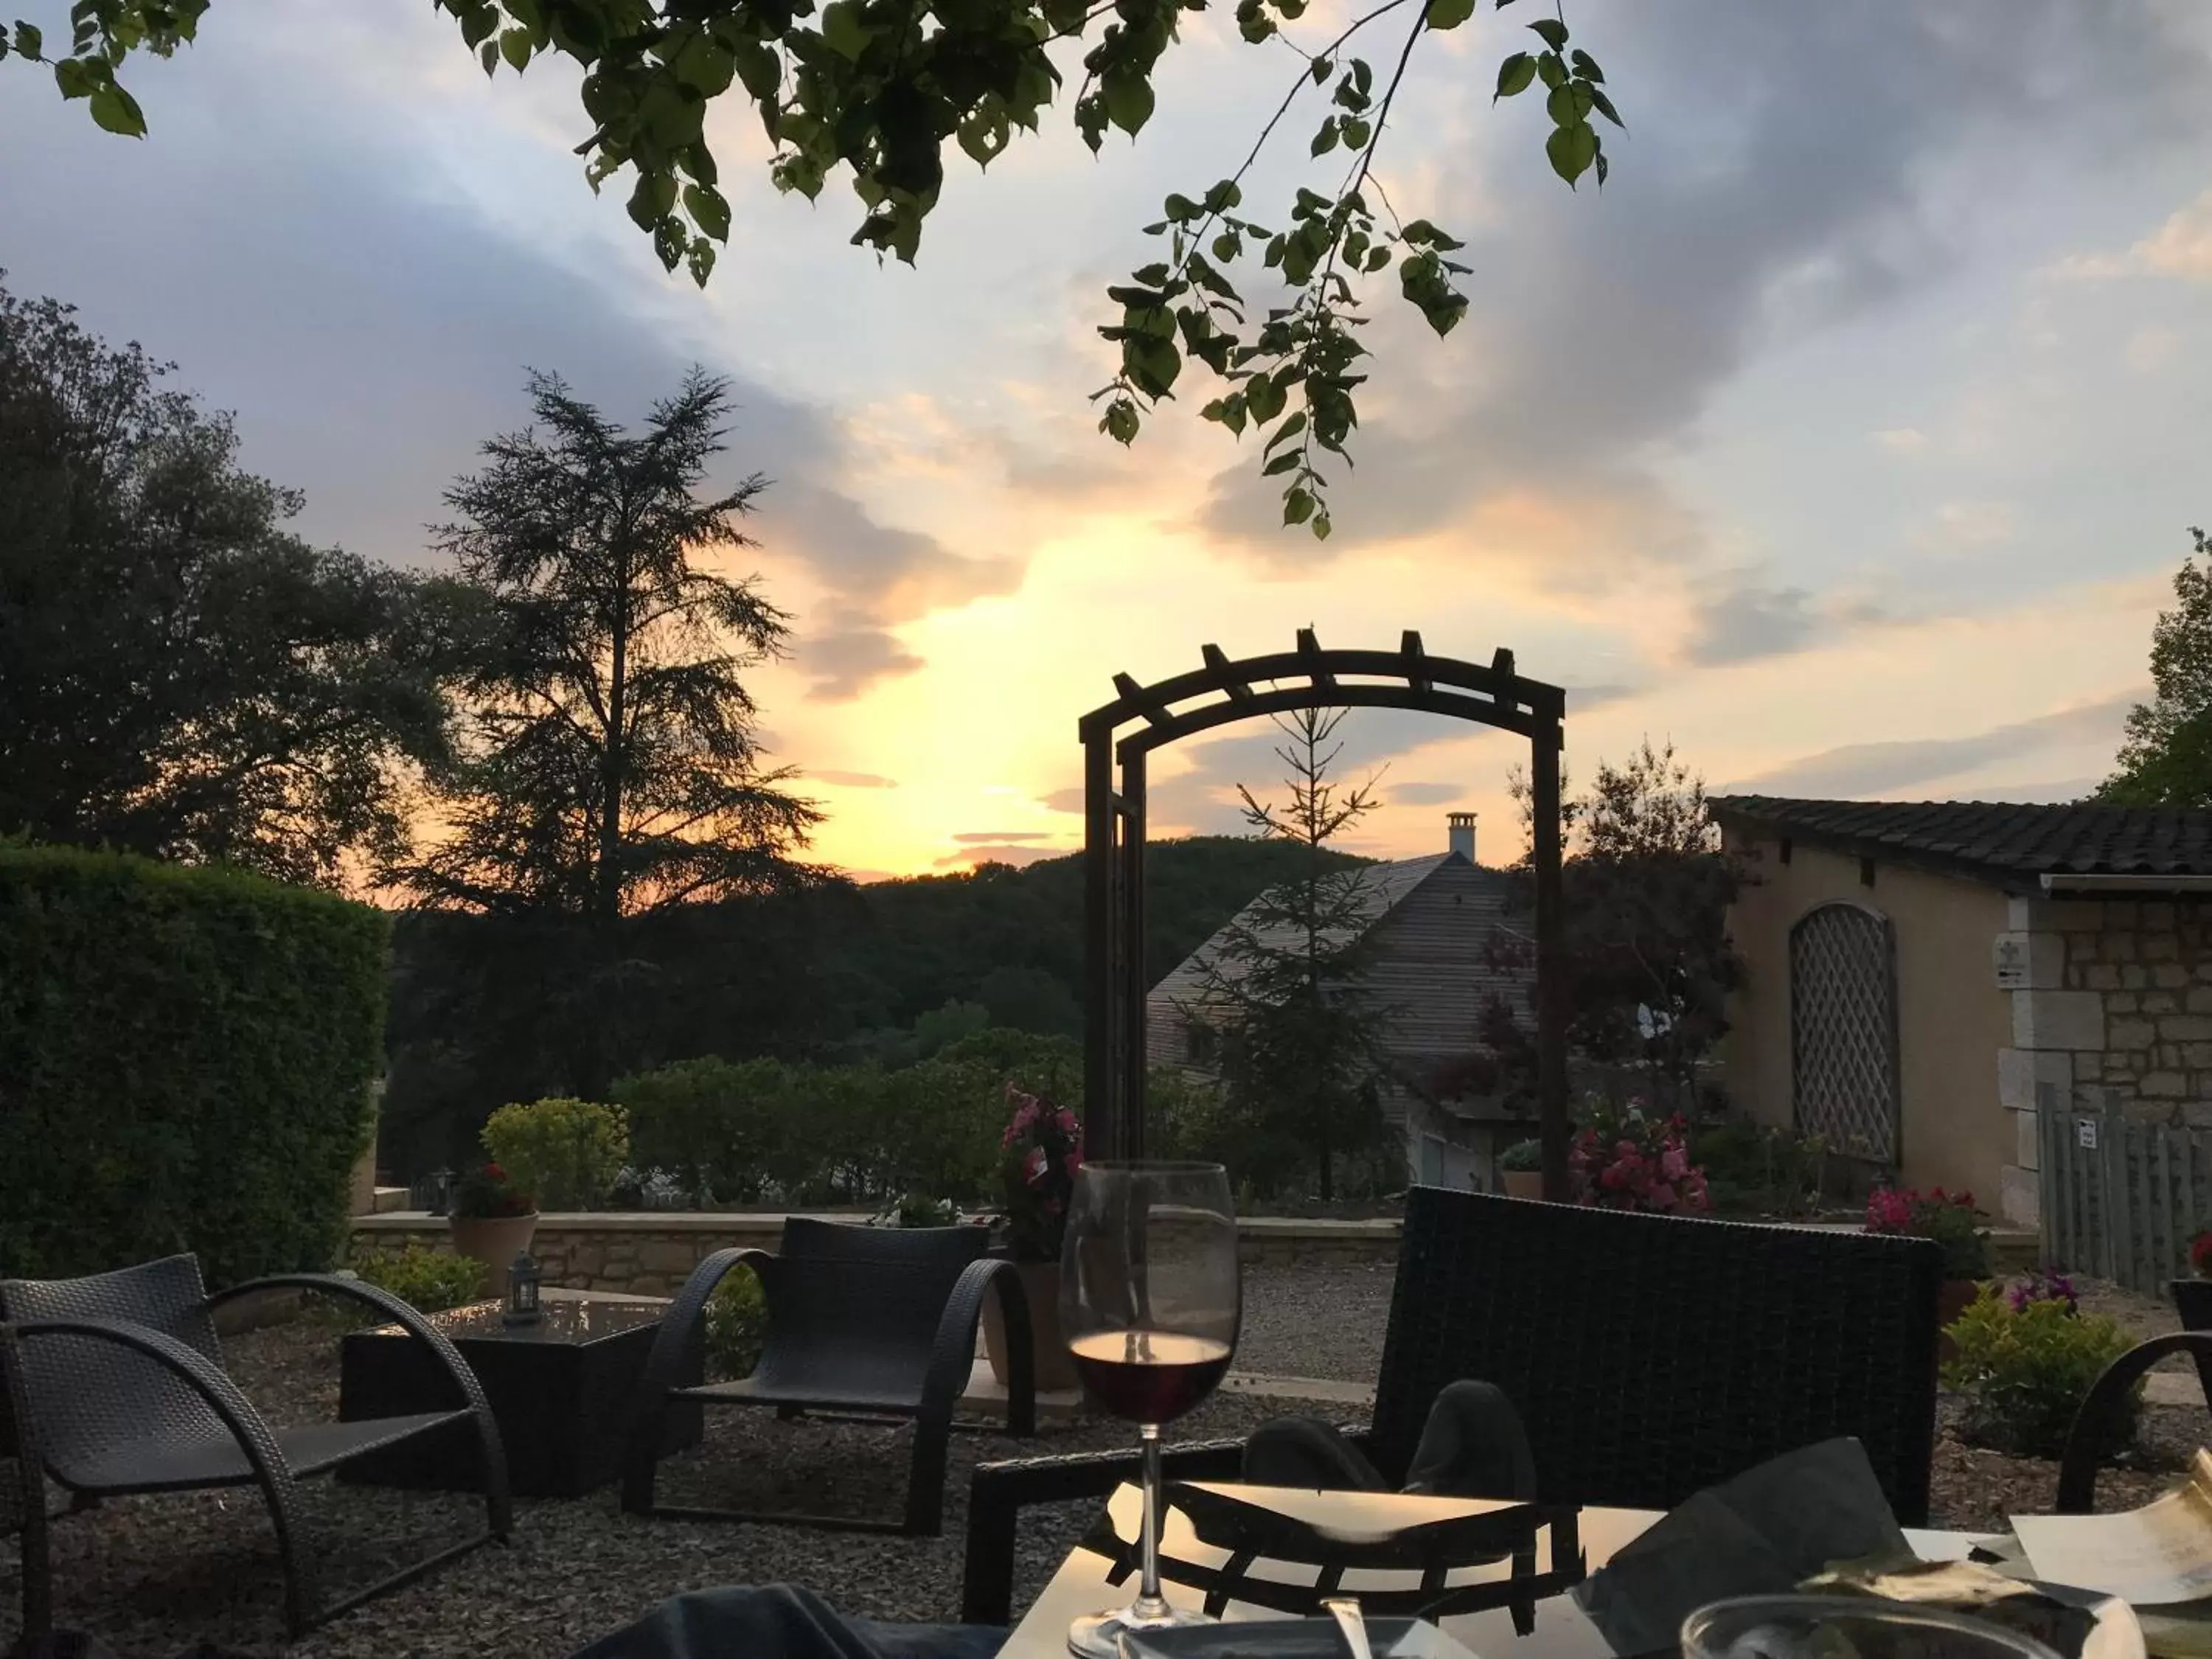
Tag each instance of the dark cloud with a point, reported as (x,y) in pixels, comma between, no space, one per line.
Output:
(1874,769)
(372,332)
(1743,623)
(1000,853)
(1778,177)
(1425,794)
(854,779)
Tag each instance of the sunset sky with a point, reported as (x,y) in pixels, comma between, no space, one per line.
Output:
(1848,438)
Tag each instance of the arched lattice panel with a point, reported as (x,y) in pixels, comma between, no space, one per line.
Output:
(1843,1030)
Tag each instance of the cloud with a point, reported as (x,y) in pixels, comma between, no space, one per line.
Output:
(1002,853)
(1741,624)
(850,656)
(1603,326)
(2182,247)
(992,837)
(853,780)
(1070,799)
(1901,439)
(1425,794)
(1874,769)
(1964,526)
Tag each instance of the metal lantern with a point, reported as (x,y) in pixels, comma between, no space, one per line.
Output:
(522,1282)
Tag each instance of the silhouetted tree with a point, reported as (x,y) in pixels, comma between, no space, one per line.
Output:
(2166,758)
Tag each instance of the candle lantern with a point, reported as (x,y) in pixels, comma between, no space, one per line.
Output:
(522,1283)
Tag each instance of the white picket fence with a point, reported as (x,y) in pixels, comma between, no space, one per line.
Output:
(2121,1200)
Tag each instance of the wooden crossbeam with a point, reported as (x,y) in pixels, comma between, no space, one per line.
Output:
(1309,647)
(1416,671)
(1217,660)
(1155,712)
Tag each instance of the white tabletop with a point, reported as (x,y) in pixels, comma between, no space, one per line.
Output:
(1562,1631)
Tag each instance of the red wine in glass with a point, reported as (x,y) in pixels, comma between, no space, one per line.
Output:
(1149,1377)
(1149,1299)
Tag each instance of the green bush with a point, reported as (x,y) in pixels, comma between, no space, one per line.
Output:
(717,1125)
(736,1320)
(1755,1169)
(428,1281)
(565,1152)
(186,1057)
(2025,1372)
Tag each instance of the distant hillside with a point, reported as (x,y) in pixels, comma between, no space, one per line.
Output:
(491,1009)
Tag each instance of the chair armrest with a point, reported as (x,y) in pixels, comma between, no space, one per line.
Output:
(679,1326)
(953,1352)
(998,1492)
(2077,1468)
(399,1313)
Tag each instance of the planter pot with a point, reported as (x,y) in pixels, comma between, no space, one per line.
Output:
(1952,1296)
(2192,1299)
(1055,1370)
(496,1240)
(1522,1183)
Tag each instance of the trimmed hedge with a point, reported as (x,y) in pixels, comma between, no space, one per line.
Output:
(186,1057)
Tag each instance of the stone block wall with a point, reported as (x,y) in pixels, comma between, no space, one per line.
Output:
(2112,1004)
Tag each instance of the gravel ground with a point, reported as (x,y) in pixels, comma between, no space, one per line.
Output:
(1315,1320)
(151,1575)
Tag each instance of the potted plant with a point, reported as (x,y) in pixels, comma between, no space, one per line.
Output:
(2192,1298)
(1637,1163)
(493,1220)
(1949,1218)
(1522,1167)
(1039,1154)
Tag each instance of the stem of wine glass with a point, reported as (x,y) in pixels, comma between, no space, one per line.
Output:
(1150,1603)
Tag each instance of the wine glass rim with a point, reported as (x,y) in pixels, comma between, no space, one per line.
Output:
(1784,1605)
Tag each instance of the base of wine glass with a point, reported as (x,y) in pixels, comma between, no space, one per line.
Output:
(1098,1635)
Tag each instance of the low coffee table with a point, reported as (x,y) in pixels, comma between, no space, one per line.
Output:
(562,1390)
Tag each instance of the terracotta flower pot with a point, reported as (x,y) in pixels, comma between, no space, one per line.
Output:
(1055,1370)
(1522,1183)
(496,1240)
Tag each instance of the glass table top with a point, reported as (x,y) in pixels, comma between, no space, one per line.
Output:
(561,1320)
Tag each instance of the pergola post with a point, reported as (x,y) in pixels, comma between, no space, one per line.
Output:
(1100,920)
(1551,959)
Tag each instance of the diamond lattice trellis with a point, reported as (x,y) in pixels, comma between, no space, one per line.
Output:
(1842,982)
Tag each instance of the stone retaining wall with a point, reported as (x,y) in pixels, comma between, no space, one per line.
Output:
(650,1254)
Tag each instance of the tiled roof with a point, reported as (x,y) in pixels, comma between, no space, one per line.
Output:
(2009,843)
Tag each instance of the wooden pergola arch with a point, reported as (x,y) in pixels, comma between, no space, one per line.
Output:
(1224,691)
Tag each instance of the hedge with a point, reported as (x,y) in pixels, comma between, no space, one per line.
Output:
(186,1057)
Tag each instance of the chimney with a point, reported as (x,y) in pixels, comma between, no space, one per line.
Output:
(1461,832)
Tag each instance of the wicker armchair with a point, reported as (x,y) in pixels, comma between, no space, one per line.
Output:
(1648,1356)
(869,1321)
(125,1391)
(23,1492)
(2092,1430)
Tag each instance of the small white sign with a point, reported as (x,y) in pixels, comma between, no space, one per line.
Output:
(2009,956)
(2085,1133)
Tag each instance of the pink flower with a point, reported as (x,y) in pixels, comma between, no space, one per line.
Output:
(1072,1164)
(1673,1164)
(1063,1120)
(1662,1196)
(1035,1165)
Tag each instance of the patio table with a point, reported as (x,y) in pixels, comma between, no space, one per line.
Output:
(1561,1632)
(562,1390)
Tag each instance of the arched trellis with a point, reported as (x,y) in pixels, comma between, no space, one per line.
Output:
(1224,691)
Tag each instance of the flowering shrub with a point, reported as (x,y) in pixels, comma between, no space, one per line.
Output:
(2025,1370)
(1040,1152)
(488,1192)
(2200,1253)
(1947,1218)
(1637,1163)
(2045,1285)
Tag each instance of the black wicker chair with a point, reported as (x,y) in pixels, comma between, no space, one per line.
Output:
(1649,1356)
(124,1381)
(872,1323)
(23,1495)
(2091,1431)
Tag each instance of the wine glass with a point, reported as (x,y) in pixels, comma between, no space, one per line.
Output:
(1148,1298)
(1815,1626)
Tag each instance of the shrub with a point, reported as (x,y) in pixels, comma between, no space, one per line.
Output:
(916,1210)
(428,1281)
(186,1057)
(719,1127)
(2025,1371)
(1630,1161)
(1759,1169)
(1523,1156)
(567,1151)
(1947,1218)
(736,1320)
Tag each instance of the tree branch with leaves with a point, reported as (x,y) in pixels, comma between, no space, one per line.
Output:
(875,89)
